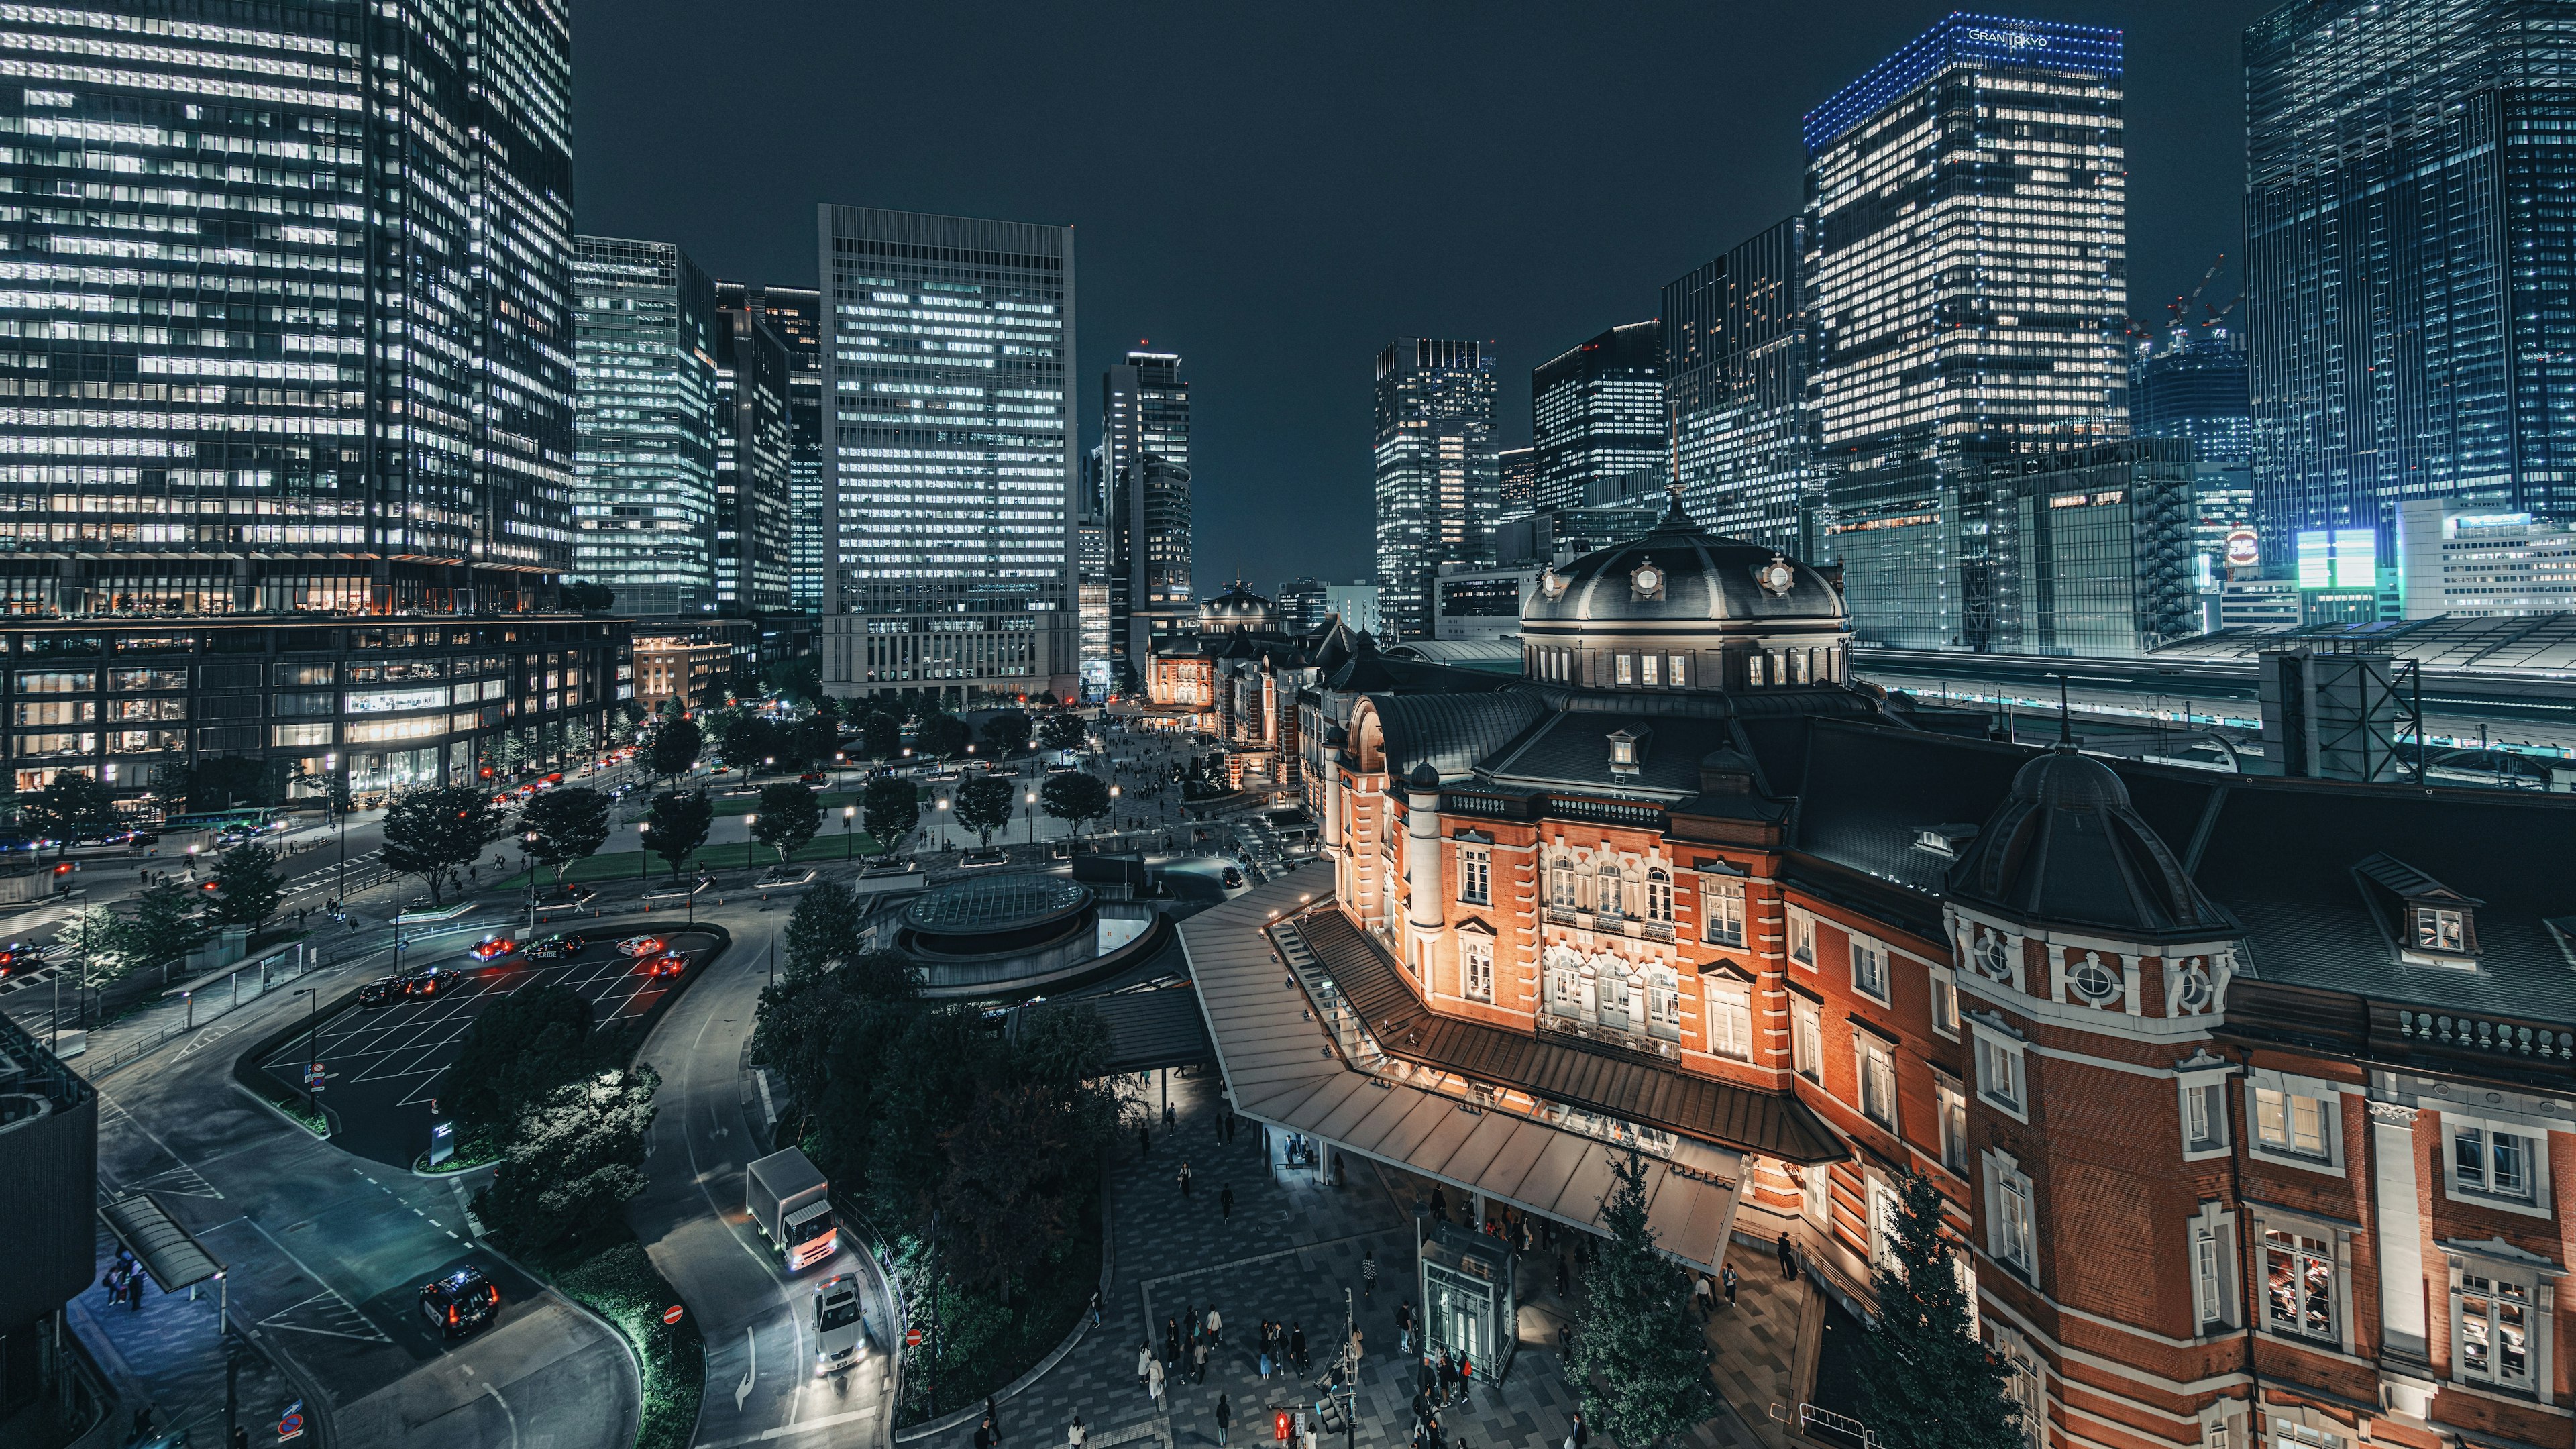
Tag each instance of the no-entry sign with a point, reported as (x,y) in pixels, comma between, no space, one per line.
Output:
(671,1314)
(911,1337)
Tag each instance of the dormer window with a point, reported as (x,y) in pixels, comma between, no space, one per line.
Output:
(1627,751)
(2439,928)
(2431,923)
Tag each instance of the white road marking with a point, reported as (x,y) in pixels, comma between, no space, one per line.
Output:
(505,1408)
(751,1347)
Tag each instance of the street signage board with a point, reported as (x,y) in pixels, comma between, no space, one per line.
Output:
(912,1338)
(671,1314)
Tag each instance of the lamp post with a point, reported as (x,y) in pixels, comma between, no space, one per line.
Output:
(313,1038)
(849,818)
(526,841)
(643,856)
(1113,808)
(1030,800)
(943,822)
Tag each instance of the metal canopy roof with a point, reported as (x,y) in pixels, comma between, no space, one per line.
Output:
(1280,1070)
(173,1258)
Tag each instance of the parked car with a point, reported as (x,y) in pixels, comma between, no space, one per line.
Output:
(460,1302)
(382,990)
(495,948)
(809,778)
(640,945)
(429,981)
(556,948)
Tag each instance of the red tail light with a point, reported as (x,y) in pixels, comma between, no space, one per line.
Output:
(494,1292)
(451,1313)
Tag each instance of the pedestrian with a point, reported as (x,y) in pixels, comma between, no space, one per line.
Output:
(1167,1116)
(1700,1296)
(984,1435)
(1225,1202)
(1788,1260)
(1216,1327)
(1224,1419)
(1305,1430)
(1154,1385)
(1439,1204)
(143,1423)
(1726,1276)
(1198,1363)
(1144,1362)
(1172,1341)
(1297,1347)
(1261,1365)
(1073,1436)
(1185,1177)
(993,1419)
(1368,1272)
(1582,1434)
(1355,1351)
(1448,1377)
(1466,1375)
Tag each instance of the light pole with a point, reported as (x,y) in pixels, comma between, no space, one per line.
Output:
(943,822)
(643,857)
(1113,808)
(313,1037)
(849,818)
(748,822)
(527,840)
(1030,800)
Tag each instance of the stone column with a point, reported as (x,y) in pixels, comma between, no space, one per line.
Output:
(1332,791)
(2399,1230)
(1422,849)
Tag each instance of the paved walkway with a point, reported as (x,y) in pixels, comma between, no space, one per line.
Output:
(166,1354)
(1289,1251)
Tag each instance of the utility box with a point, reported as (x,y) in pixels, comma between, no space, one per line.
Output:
(2339,710)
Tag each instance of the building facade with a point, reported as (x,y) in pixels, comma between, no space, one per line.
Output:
(1998,139)
(681,671)
(1739,422)
(2457,559)
(2088,551)
(950,455)
(794,315)
(651,433)
(1145,467)
(1518,469)
(1438,482)
(1597,413)
(2191,383)
(2224,1077)
(1471,602)
(2404,254)
(755,444)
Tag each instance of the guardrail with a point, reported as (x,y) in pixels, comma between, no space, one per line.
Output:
(306,961)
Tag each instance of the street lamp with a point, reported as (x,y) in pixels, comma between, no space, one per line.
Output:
(642,855)
(748,821)
(943,822)
(1113,808)
(1031,800)
(849,817)
(527,841)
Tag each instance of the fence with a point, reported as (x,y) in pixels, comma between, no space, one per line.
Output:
(1826,1427)
(279,967)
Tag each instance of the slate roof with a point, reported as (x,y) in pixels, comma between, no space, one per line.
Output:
(1709,578)
(1451,732)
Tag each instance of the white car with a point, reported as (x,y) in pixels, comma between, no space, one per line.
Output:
(839,1327)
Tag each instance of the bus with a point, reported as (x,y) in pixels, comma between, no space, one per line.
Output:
(251,819)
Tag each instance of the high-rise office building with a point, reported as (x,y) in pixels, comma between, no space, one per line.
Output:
(1439,485)
(1739,421)
(754,441)
(645,358)
(309,355)
(795,314)
(2408,259)
(2190,382)
(1967,275)
(1091,576)
(1145,465)
(950,454)
(1597,412)
(1518,469)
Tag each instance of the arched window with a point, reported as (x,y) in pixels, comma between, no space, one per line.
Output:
(1562,892)
(1610,989)
(1607,894)
(1663,1003)
(1659,896)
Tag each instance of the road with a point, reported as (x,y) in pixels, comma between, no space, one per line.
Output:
(325,1251)
(756,1319)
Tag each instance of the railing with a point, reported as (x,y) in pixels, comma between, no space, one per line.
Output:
(2481,1034)
(1825,1426)
(1617,1038)
(303,963)
(1611,923)
(1607,812)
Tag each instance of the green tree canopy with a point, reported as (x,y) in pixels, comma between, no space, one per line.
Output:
(572,1162)
(788,816)
(1640,1363)
(1008,732)
(1062,730)
(823,930)
(942,736)
(675,747)
(570,823)
(101,946)
(680,820)
(880,735)
(436,831)
(984,804)
(1928,1382)
(1074,798)
(161,929)
(248,886)
(890,809)
(518,1049)
(818,739)
(70,806)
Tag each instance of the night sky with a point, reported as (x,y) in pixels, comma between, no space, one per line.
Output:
(1275,191)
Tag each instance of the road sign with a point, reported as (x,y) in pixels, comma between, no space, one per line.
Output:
(313,1076)
(671,1314)
(911,1337)
(290,1427)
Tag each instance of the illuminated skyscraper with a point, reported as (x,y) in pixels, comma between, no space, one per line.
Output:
(1145,466)
(1597,413)
(949,454)
(1968,280)
(1439,485)
(2189,382)
(1519,471)
(754,448)
(2409,253)
(795,314)
(1742,429)
(645,357)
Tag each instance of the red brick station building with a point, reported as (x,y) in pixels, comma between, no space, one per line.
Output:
(2251,1095)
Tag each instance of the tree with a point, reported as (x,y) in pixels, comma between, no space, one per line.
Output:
(818,738)
(984,805)
(569,823)
(101,946)
(890,808)
(1929,1384)
(1008,732)
(70,806)
(248,887)
(589,598)
(823,929)
(1062,730)
(572,1162)
(161,929)
(997,1219)
(510,753)
(942,735)
(880,735)
(680,820)
(578,738)
(1074,798)
(675,747)
(438,830)
(788,817)
(1640,1362)
(517,1051)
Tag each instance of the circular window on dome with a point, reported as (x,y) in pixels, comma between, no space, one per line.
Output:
(1776,577)
(2192,991)
(1647,581)
(2094,981)
(1994,957)
(1552,584)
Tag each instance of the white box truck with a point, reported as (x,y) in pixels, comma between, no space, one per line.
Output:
(791,1204)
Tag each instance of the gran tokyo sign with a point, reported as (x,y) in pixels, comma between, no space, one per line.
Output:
(2009,39)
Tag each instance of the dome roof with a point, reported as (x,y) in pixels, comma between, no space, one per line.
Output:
(1237,605)
(2065,848)
(1683,575)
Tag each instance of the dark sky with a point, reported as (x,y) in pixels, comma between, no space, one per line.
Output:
(1274,191)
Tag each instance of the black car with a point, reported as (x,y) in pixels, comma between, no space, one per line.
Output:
(555,948)
(429,981)
(1233,877)
(460,1302)
(382,990)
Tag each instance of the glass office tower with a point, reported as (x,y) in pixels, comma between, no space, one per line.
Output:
(1518,468)
(287,336)
(1966,260)
(1597,414)
(795,315)
(645,355)
(949,463)
(1439,483)
(2409,253)
(754,443)
(1740,427)
(1145,466)
(2190,382)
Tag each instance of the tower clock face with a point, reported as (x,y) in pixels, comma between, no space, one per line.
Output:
(1778,577)
(1647,578)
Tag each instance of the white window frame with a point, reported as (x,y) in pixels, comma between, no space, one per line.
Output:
(1882,1204)
(2302,1243)
(2003,1071)
(2286,1123)
(1663,991)
(1802,936)
(1876,952)
(1806,1039)
(2533,1201)
(1563,890)
(1721,909)
(1659,894)
(1874,1076)
(1476,968)
(1475,875)
(2495,1277)
(2200,1099)
(1950,1106)
(1728,1010)
(2012,1237)
(1945,1002)
(2210,1248)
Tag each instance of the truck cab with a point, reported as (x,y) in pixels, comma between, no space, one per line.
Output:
(791,1204)
(809,1238)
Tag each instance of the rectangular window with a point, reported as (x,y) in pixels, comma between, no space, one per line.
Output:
(1753,671)
(1475,876)
(1651,668)
(1954,1125)
(56,681)
(1476,967)
(1673,670)
(2204,1116)
(2013,1241)
(300,734)
(2208,1290)
(1945,1003)
(1999,1072)
(1877,1080)
(1562,892)
(2494,1332)
(58,712)
(1730,1017)
(1869,969)
(2299,1279)
(1721,910)
(1626,667)
(1565,992)
(2290,1123)
(2441,930)
(1802,938)
(1807,1040)
(2491,1162)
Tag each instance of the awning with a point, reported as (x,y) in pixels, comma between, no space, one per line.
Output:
(1279,1069)
(1147,1029)
(174,1259)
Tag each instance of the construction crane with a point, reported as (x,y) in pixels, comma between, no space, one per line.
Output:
(2180,307)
